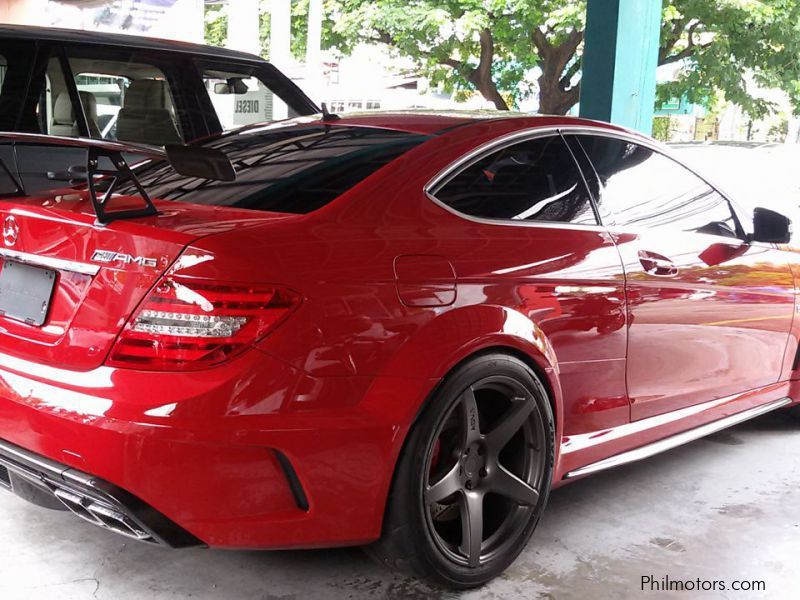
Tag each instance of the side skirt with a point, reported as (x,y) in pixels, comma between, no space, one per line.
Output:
(679,439)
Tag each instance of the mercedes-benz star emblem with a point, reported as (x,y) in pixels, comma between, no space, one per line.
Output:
(10,231)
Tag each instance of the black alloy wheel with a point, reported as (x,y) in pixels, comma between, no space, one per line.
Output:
(474,476)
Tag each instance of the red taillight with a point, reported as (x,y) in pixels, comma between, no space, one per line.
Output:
(186,323)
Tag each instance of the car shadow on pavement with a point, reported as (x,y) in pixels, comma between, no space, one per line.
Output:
(583,499)
(122,569)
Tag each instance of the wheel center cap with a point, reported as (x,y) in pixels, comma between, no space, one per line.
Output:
(472,463)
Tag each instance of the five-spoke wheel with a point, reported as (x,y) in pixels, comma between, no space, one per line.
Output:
(474,476)
(484,469)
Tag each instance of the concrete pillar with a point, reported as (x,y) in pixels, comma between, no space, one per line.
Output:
(314,45)
(243,26)
(313,76)
(280,50)
(619,62)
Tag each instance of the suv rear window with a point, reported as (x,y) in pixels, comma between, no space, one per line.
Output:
(290,169)
(16,66)
(242,97)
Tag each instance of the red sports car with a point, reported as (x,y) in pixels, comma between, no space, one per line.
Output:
(396,330)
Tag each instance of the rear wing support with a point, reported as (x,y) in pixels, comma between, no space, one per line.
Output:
(121,173)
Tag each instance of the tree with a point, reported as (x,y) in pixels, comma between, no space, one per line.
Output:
(216,24)
(490,46)
(723,44)
(483,45)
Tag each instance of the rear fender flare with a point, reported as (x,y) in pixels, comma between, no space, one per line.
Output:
(457,334)
(449,340)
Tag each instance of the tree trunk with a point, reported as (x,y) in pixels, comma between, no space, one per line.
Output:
(556,96)
(553,100)
(481,77)
(488,90)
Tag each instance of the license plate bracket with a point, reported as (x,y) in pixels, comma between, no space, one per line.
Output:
(25,292)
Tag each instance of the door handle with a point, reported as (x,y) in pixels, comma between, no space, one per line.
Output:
(75,173)
(656,264)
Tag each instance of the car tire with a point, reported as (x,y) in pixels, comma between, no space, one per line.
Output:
(474,476)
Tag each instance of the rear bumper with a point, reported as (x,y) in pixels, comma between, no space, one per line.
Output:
(92,499)
(252,454)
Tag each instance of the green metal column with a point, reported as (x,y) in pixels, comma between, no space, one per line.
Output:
(619,62)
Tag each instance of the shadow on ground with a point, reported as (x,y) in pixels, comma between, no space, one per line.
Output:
(722,508)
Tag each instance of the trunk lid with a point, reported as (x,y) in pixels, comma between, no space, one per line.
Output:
(100,273)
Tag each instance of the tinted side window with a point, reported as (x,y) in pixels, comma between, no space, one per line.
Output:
(18,93)
(243,97)
(642,188)
(535,180)
(56,110)
(128,100)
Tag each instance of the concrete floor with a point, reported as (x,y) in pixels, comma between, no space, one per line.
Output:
(726,507)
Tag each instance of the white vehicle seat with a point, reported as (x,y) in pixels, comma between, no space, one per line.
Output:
(89,103)
(64,122)
(145,117)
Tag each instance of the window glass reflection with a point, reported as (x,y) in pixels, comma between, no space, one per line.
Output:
(536,180)
(642,188)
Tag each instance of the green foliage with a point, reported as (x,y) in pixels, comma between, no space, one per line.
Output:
(662,128)
(780,129)
(718,42)
(728,41)
(443,36)
(718,45)
(264,25)
(216,24)
(299,25)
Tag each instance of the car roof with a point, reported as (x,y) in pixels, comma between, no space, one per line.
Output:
(54,34)
(439,122)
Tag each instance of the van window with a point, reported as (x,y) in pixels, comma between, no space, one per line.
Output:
(104,93)
(242,98)
(127,101)
(17,60)
(56,112)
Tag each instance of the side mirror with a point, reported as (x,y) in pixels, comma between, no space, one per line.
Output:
(771,227)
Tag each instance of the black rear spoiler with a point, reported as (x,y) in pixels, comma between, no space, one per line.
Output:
(119,174)
(191,161)
(105,163)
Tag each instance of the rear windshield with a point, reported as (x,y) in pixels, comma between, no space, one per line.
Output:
(288,169)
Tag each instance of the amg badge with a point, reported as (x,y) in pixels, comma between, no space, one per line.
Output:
(109,256)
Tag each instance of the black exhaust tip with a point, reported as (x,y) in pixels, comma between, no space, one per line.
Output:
(52,485)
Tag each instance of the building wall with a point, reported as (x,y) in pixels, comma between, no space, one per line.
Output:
(22,12)
(178,20)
